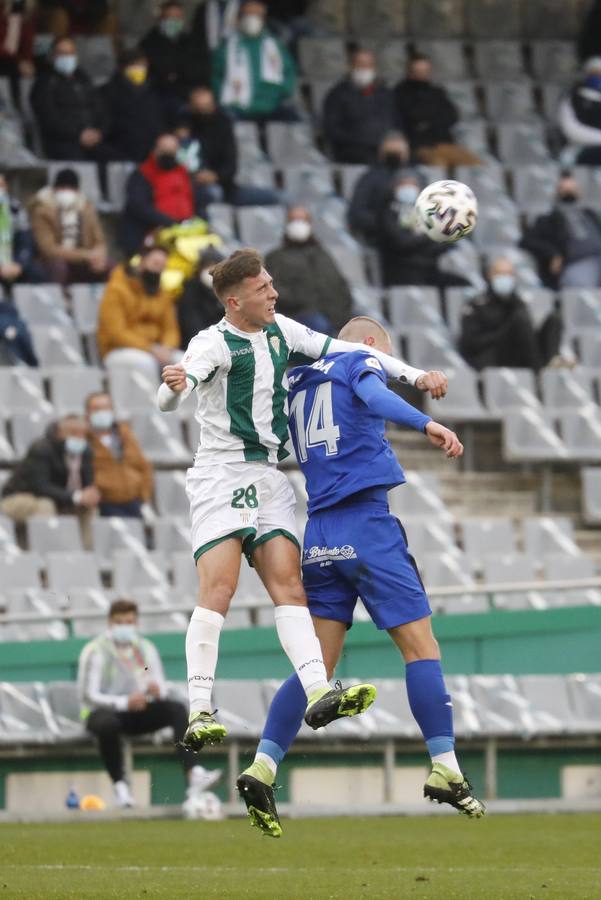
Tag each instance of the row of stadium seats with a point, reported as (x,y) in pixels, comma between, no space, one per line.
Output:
(483,706)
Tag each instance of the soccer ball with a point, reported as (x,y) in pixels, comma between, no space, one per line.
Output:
(446,211)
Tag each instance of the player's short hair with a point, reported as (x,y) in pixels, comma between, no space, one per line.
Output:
(122,607)
(359,327)
(246,263)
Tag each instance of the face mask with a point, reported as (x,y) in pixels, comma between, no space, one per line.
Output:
(171,28)
(123,632)
(594,81)
(503,285)
(568,198)
(363,77)
(102,419)
(75,445)
(65,197)
(206,278)
(251,25)
(407,193)
(136,74)
(66,65)
(393,160)
(166,161)
(151,282)
(298,230)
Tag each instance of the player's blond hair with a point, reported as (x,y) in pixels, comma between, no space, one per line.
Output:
(360,327)
(230,272)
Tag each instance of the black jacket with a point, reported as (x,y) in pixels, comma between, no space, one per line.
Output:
(175,65)
(369,196)
(15,339)
(355,120)
(216,135)
(308,281)
(498,332)
(547,237)
(140,215)
(427,113)
(135,115)
(405,256)
(43,471)
(197,308)
(64,107)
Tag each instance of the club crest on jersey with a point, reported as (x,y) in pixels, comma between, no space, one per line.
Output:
(275,343)
(373,363)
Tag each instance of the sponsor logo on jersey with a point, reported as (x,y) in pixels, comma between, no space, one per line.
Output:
(275,343)
(309,331)
(244,351)
(327,555)
(373,363)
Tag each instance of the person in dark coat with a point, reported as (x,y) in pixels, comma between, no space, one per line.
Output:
(428,115)
(311,288)
(358,111)
(198,307)
(406,255)
(579,115)
(15,340)
(134,110)
(176,63)
(373,187)
(68,109)
(566,241)
(496,328)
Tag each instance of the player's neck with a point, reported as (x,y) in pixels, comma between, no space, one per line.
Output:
(242,324)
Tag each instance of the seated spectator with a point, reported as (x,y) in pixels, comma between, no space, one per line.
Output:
(373,187)
(16,345)
(17,32)
(358,112)
(198,307)
(122,473)
(579,115)
(566,241)
(68,109)
(135,112)
(175,62)
(496,328)
(214,21)
(311,288)
(16,242)
(208,150)
(122,691)
(158,193)
(67,232)
(137,326)
(428,117)
(406,255)
(55,476)
(254,75)
(62,17)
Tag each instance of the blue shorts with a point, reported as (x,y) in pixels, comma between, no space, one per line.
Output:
(357,549)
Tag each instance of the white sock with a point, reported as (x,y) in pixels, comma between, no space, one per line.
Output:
(265,758)
(202,647)
(449,760)
(297,636)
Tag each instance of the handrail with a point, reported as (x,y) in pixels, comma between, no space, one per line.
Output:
(66,615)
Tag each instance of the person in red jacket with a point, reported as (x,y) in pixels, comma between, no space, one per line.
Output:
(158,193)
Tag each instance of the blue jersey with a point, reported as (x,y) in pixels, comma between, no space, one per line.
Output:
(339,443)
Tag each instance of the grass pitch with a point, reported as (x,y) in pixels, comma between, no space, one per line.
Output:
(502,858)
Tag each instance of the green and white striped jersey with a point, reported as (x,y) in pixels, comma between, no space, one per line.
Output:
(241,386)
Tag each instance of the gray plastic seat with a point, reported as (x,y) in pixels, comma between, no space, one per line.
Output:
(590,495)
(544,535)
(138,570)
(53,534)
(554,60)
(368,301)
(431,349)
(498,19)
(414,308)
(33,602)
(473,134)
(289,144)
(420,497)
(69,389)
(498,60)
(390,716)
(508,389)
(170,494)
(445,570)
(448,59)
(28,427)
(57,345)
(111,533)
(7,535)
(71,571)
(550,697)
(64,703)
(261,226)
(24,718)
(85,302)
(534,187)
(581,309)
(306,182)
(502,707)
(161,437)
(377,20)
(326,55)
(185,579)
(251,590)
(132,391)
(569,568)
(172,535)
(487,181)
(589,349)
(117,174)
(466,604)
(584,692)
(425,536)
(22,389)
(581,432)
(221,217)
(391,53)
(349,176)
(462,403)
(513,568)
(497,224)
(242,707)
(41,304)
(486,537)
(463,95)
(466,719)
(529,435)
(522,143)
(19,570)
(540,302)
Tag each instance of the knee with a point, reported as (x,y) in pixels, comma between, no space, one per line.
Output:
(218,595)
(288,591)
(103,724)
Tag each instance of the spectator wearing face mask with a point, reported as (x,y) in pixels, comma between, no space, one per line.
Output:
(158,193)
(208,151)
(253,74)
(67,232)
(373,187)
(428,115)
(55,476)
(358,111)
(198,307)
(566,242)
(175,62)
(137,325)
(122,473)
(69,111)
(311,288)
(135,113)
(579,115)
(406,255)
(496,328)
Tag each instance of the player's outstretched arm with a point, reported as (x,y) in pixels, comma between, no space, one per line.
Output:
(174,389)
(445,439)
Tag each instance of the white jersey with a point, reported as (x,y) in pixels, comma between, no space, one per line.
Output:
(241,386)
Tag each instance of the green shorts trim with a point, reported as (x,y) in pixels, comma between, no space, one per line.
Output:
(251,546)
(244,533)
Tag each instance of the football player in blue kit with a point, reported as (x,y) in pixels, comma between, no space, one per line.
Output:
(353,547)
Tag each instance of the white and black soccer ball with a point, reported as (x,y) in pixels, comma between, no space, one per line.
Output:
(446,211)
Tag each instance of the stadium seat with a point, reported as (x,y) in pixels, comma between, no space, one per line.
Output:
(6,98)
(349,176)
(368,301)
(463,95)
(326,55)
(391,54)
(161,437)
(185,579)
(554,60)
(22,388)
(498,224)
(509,389)
(430,349)
(172,535)
(419,497)
(426,536)
(242,707)
(550,697)
(456,299)
(28,427)
(89,182)
(57,346)
(581,432)
(170,495)
(414,308)
(70,387)
(473,133)
(134,570)
(540,302)
(85,302)
(544,535)
(584,692)
(581,309)
(251,591)
(261,226)
(111,534)
(390,716)
(446,570)
(509,101)
(20,570)
(501,706)
(465,604)
(24,718)
(528,435)
(463,402)
(302,183)
(590,495)
(72,571)
(258,174)
(448,59)
(550,96)
(117,174)
(498,61)
(379,19)
(53,534)
(522,143)
(570,568)
(289,144)
(465,712)
(221,218)
(498,19)
(553,19)
(564,391)
(7,534)
(41,304)
(131,391)
(487,537)
(64,703)
(508,569)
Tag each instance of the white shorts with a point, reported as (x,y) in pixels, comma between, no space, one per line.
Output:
(252,501)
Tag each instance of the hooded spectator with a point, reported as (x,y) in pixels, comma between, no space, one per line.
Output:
(373,187)
(136,115)
(358,111)
(198,307)
(580,115)
(67,232)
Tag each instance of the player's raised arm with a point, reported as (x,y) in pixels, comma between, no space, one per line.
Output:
(201,361)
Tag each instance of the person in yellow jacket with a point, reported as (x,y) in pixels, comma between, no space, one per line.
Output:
(137,324)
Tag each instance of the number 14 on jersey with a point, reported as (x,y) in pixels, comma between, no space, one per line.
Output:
(320,430)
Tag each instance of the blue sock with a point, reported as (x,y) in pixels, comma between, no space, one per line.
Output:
(430,704)
(284,719)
